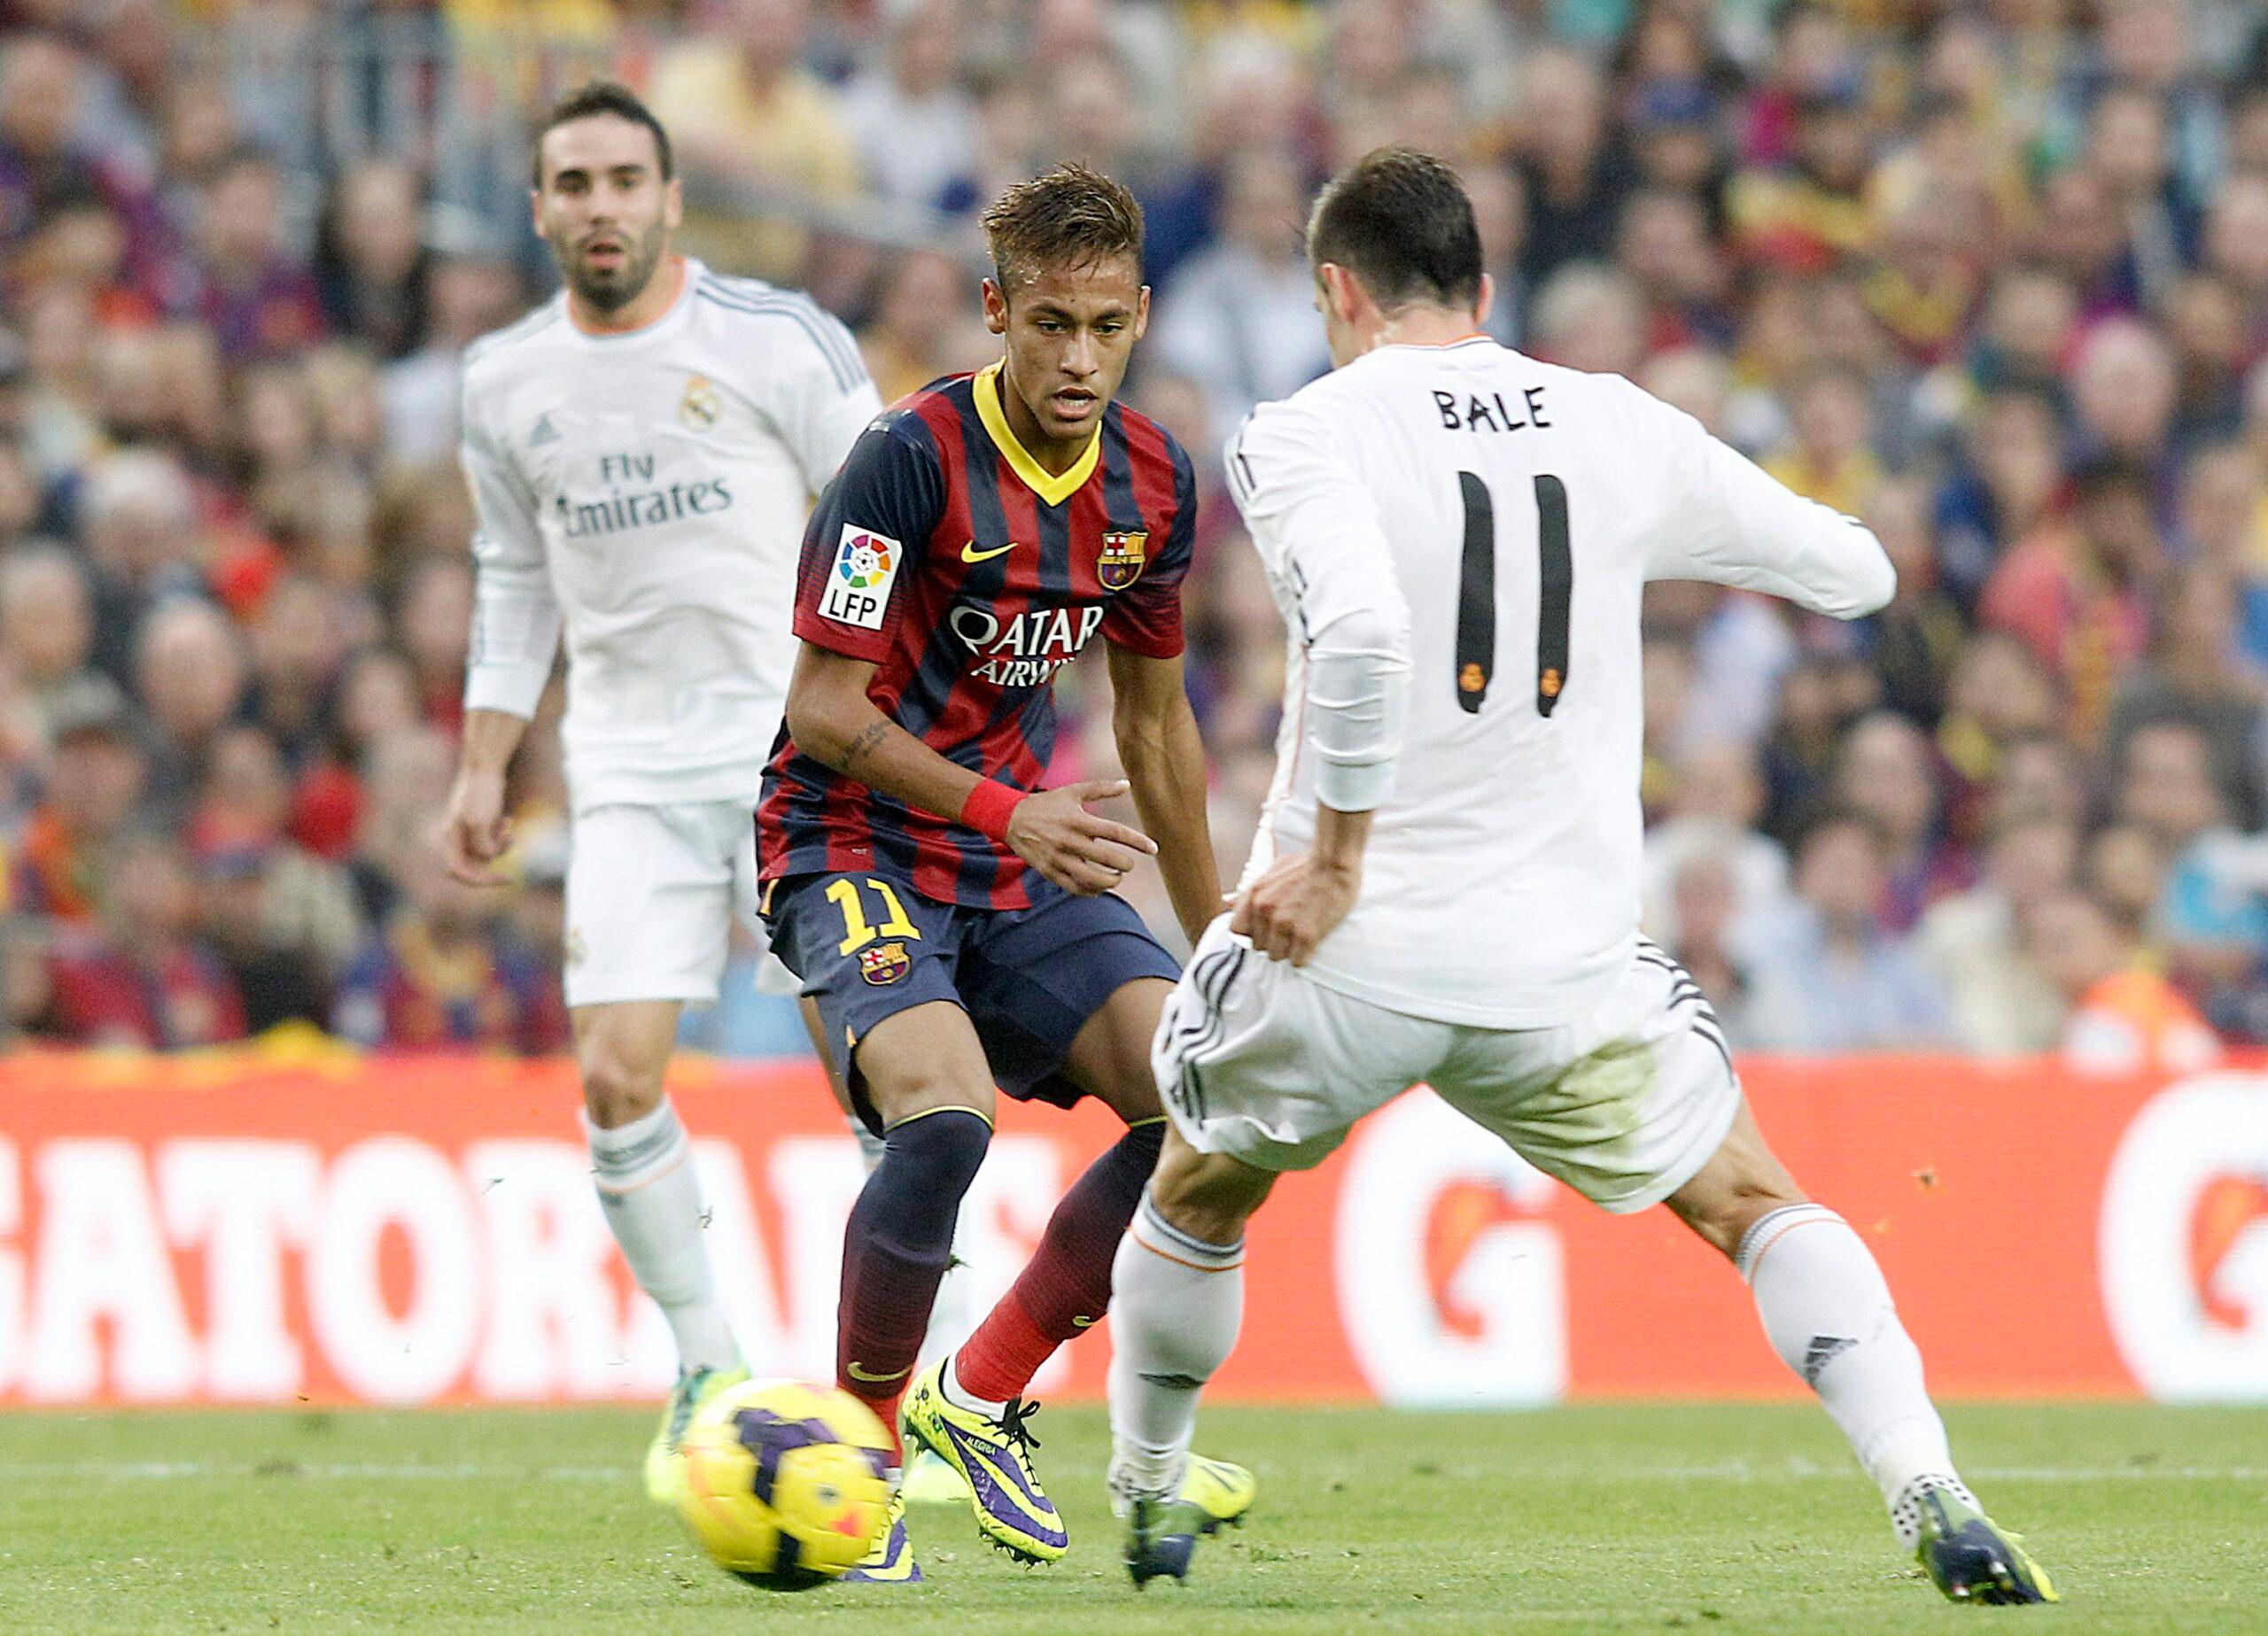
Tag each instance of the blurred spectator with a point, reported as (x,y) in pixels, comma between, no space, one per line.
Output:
(2212,915)
(46,620)
(915,119)
(2124,1018)
(743,110)
(1715,799)
(1973,944)
(95,779)
(1242,323)
(139,975)
(1829,456)
(281,920)
(2077,593)
(371,265)
(1885,773)
(1831,976)
(259,300)
(435,622)
(1573,179)
(2191,678)
(137,514)
(443,974)
(190,676)
(925,325)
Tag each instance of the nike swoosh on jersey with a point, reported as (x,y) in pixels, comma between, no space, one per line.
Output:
(970,553)
(1080,1323)
(859,1371)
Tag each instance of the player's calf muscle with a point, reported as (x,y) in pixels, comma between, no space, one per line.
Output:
(1742,1183)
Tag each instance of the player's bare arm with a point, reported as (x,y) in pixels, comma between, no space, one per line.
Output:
(1289,910)
(832,719)
(1164,758)
(477,830)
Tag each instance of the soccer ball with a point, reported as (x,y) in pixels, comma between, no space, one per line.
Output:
(786,1483)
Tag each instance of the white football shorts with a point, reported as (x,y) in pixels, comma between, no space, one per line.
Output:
(1257,1060)
(652,893)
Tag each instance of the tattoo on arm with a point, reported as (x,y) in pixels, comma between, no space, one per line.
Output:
(864,745)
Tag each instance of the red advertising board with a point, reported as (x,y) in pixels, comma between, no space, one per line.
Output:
(351,1229)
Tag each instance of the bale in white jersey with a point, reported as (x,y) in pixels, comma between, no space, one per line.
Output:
(1506,516)
(1459,537)
(1445,890)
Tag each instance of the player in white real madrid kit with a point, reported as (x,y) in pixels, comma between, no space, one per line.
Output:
(643,449)
(1446,886)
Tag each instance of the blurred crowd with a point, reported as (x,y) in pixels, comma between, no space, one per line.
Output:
(1992,276)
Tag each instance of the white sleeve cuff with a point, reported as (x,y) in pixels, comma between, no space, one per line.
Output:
(1349,786)
(513,686)
(1357,683)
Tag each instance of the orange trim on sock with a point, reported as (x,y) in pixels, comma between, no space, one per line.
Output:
(1178,1261)
(624,1190)
(1772,1243)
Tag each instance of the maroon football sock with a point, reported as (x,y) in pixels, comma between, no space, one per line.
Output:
(1066,1285)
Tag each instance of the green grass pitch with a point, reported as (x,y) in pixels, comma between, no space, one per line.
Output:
(1721,1517)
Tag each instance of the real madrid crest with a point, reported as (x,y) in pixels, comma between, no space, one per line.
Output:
(1122,559)
(700,406)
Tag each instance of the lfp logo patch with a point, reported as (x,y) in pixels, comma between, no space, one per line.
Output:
(858,587)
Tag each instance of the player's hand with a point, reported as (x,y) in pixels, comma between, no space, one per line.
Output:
(1289,910)
(1055,833)
(476,831)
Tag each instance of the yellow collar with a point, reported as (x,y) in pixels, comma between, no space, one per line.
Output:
(1050,487)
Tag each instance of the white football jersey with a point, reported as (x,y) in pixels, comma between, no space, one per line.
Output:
(647,492)
(1511,513)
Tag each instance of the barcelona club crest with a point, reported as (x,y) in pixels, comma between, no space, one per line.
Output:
(700,406)
(1123,557)
(884,963)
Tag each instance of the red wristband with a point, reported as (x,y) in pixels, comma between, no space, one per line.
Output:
(987,809)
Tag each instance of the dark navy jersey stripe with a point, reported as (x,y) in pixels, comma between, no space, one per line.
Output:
(1118,501)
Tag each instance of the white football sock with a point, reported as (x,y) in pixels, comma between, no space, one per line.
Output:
(1829,1315)
(1176,1305)
(644,1171)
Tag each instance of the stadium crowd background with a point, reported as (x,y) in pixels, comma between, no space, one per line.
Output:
(1992,276)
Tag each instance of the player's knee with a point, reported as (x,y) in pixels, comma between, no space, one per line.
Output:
(619,1086)
(1208,1195)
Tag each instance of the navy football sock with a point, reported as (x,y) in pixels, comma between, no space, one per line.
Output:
(896,1247)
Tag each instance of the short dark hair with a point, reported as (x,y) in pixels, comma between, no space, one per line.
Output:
(1401,222)
(608,97)
(1066,216)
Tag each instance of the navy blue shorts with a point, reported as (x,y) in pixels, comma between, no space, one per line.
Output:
(867,947)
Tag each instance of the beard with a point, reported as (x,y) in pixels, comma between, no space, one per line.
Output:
(610,289)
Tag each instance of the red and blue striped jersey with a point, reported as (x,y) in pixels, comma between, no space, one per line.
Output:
(968,575)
